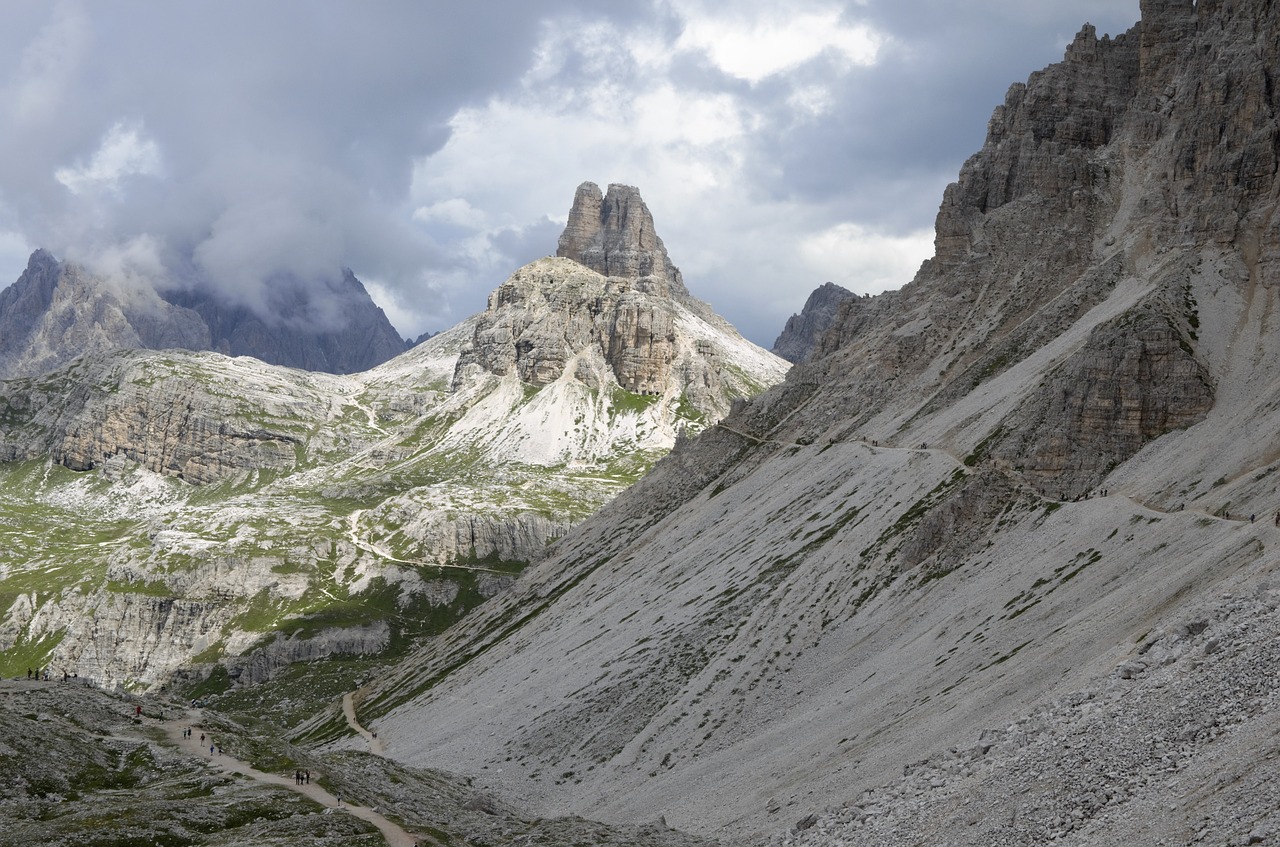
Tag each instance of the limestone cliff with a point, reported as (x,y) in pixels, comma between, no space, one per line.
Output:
(611,311)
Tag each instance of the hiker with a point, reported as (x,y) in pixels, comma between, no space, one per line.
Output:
(306,777)
(210,751)
(1251,517)
(219,749)
(137,712)
(202,738)
(297,776)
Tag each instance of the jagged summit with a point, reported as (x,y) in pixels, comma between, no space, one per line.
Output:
(800,337)
(614,235)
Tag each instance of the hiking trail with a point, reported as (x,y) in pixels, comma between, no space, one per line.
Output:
(394,835)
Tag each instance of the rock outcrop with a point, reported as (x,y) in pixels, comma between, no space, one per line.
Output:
(162,413)
(611,311)
(800,337)
(614,236)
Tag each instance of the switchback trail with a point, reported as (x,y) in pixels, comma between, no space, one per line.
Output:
(395,836)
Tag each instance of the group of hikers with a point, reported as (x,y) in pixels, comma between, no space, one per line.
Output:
(301,777)
(36,674)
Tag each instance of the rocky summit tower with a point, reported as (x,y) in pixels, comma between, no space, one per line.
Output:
(614,235)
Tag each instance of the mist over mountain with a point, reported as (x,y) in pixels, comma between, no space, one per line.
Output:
(57,311)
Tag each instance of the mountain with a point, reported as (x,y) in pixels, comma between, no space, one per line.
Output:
(800,337)
(986,568)
(165,509)
(57,310)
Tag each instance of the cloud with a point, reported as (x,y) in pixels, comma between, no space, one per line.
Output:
(777,40)
(864,261)
(124,151)
(778,145)
(48,66)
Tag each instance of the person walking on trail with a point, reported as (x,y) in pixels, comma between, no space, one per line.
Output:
(306,777)
(210,751)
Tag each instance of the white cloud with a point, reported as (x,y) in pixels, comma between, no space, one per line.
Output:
(124,151)
(766,45)
(455,211)
(864,261)
(132,266)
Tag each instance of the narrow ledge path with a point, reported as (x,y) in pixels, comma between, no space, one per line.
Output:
(395,836)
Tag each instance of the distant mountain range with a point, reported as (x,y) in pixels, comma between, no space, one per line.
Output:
(57,310)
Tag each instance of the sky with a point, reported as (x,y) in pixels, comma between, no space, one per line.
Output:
(434,147)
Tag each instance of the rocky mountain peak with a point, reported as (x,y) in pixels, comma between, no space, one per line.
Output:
(611,310)
(57,311)
(614,235)
(800,337)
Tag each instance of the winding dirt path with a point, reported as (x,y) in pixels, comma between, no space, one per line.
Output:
(349,709)
(394,835)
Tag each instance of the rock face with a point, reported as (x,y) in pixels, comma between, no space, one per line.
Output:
(160,414)
(612,311)
(614,235)
(800,337)
(57,311)
(984,569)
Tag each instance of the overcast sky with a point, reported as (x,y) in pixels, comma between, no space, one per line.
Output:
(435,147)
